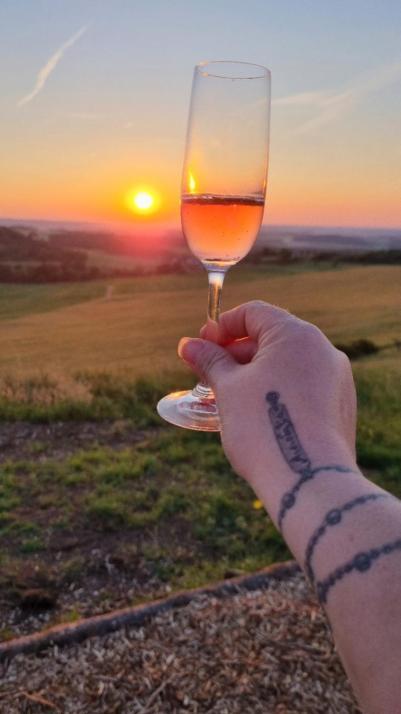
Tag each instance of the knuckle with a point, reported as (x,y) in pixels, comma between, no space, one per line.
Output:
(257,304)
(264,314)
(311,332)
(306,337)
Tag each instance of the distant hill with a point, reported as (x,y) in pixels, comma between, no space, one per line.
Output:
(292,237)
(304,238)
(52,252)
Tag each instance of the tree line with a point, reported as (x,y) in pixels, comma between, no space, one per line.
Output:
(25,257)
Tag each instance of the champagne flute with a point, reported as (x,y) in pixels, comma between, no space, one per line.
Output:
(223,194)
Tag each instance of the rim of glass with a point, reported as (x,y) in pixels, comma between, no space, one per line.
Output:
(264,71)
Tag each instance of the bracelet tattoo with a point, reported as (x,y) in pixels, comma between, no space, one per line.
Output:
(361,562)
(299,462)
(293,452)
(333,518)
(289,498)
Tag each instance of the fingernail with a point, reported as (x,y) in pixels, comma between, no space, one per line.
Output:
(188,349)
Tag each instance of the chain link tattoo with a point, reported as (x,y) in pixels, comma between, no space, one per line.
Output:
(360,562)
(293,453)
(299,462)
(333,518)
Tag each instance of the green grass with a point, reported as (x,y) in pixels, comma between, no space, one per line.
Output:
(23,300)
(173,495)
(169,505)
(65,329)
(379,425)
(17,301)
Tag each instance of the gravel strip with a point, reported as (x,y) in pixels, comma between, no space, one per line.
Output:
(264,651)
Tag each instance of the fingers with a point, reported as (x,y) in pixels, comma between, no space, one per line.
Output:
(208,360)
(242,350)
(252,319)
(210,331)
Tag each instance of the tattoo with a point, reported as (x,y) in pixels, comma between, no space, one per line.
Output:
(361,562)
(293,452)
(286,435)
(333,518)
(299,462)
(289,499)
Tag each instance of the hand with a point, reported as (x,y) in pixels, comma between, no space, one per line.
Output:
(256,349)
(286,399)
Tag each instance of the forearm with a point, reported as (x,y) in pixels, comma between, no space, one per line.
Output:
(288,426)
(346,534)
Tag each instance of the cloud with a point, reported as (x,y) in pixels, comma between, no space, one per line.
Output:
(45,72)
(300,99)
(331,105)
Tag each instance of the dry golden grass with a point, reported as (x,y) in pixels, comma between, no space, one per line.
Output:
(138,327)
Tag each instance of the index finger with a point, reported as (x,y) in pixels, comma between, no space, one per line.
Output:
(252,319)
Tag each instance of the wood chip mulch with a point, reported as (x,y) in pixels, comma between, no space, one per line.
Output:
(265,651)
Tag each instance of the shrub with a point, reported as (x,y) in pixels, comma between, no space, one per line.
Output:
(358,348)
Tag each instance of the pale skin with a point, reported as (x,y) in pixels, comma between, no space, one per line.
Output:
(287,402)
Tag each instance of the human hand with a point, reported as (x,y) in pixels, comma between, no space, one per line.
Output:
(287,404)
(259,358)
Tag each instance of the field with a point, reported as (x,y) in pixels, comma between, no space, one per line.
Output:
(101,504)
(130,324)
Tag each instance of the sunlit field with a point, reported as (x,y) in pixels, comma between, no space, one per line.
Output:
(134,324)
(96,493)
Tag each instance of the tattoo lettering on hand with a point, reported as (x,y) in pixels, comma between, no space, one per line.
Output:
(331,519)
(286,436)
(293,452)
(361,562)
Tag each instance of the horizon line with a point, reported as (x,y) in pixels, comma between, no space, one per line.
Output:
(110,223)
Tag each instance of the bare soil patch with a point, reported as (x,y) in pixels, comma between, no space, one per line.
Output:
(56,440)
(82,571)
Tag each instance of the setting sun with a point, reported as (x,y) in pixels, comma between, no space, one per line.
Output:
(143,201)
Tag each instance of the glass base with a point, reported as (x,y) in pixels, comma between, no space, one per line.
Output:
(187,410)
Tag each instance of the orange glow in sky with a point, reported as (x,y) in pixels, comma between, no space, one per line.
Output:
(89,135)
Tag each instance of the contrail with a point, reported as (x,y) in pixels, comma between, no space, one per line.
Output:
(331,105)
(45,72)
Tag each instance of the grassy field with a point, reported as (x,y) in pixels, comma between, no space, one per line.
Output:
(136,500)
(63,329)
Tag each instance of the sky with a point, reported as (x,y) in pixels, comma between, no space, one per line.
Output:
(94,98)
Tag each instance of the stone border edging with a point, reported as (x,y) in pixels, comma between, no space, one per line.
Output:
(71,633)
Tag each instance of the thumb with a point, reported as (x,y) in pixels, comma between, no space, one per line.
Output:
(207,359)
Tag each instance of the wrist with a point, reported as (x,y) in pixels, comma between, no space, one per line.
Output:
(272,476)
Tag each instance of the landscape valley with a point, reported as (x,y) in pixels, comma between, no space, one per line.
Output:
(101,504)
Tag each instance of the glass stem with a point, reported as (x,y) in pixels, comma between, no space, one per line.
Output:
(216,280)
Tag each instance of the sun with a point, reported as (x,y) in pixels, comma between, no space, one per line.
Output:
(142,201)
